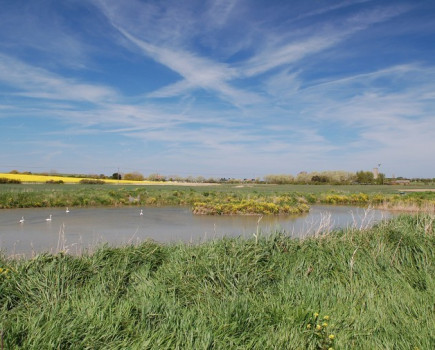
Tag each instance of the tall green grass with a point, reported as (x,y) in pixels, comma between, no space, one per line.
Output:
(377,286)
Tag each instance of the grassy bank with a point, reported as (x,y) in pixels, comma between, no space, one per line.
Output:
(377,287)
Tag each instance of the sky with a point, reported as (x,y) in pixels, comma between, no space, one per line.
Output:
(230,88)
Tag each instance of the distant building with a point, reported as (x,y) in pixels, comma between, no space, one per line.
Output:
(375,173)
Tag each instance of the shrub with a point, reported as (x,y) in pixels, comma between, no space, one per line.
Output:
(4,180)
(135,176)
(279,179)
(92,182)
(58,182)
(158,177)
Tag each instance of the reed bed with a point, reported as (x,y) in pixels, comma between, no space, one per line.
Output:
(349,289)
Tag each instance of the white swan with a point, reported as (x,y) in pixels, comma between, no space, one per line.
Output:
(141,212)
(67,210)
(22,220)
(48,219)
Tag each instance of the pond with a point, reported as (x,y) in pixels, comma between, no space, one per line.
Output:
(85,228)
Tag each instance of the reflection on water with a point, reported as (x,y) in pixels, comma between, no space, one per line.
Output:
(87,227)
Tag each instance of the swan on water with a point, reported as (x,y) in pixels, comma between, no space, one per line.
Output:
(48,219)
(22,220)
(67,210)
(141,212)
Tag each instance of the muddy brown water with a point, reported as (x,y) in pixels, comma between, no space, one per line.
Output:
(86,228)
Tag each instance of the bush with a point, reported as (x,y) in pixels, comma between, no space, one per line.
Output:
(58,182)
(4,180)
(279,179)
(92,182)
(135,176)
(158,177)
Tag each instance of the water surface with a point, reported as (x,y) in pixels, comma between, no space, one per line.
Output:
(84,228)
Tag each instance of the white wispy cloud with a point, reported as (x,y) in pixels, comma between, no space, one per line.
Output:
(35,27)
(198,72)
(272,50)
(35,82)
(286,49)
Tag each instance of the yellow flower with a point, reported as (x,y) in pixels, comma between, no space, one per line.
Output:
(316,315)
(330,348)
(331,336)
(318,327)
(324,324)
(309,326)
(326,317)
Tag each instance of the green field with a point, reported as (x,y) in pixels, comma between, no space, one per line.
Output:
(374,289)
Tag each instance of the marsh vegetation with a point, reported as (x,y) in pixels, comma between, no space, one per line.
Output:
(218,199)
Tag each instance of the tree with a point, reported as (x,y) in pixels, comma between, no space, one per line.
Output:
(116,176)
(364,177)
(319,179)
(134,176)
(156,177)
(381,179)
(279,179)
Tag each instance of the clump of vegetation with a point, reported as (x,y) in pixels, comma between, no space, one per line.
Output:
(55,182)
(4,180)
(319,332)
(92,182)
(134,176)
(234,293)
(248,207)
(279,179)
(158,177)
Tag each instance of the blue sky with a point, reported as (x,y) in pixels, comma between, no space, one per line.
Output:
(217,88)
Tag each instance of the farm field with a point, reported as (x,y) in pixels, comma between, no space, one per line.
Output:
(31,178)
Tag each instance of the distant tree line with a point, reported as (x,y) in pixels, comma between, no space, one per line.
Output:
(336,177)
(327,177)
(324,177)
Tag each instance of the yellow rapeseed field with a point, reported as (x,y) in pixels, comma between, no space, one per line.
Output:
(66,179)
